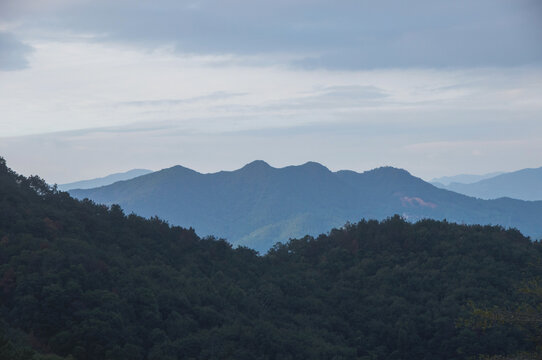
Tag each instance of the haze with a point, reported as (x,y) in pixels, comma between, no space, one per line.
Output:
(89,88)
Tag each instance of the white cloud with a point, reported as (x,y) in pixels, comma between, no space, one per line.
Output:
(80,85)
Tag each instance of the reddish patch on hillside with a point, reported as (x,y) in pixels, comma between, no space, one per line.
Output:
(416,201)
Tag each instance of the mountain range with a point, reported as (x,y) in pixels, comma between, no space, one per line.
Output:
(259,205)
(525,184)
(463,178)
(85,281)
(103,181)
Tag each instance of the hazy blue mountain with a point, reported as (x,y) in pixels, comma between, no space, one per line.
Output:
(524,184)
(462,178)
(103,181)
(259,205)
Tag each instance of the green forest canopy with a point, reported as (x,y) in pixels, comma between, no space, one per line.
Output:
(84,281)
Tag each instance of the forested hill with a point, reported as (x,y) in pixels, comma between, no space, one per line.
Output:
(259,205)
(84,281)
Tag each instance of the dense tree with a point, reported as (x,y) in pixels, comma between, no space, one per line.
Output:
(525,315)
(84,281)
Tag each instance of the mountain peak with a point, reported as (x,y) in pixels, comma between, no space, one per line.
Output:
(314,165)
(178,169)
(256,164)
(389,171)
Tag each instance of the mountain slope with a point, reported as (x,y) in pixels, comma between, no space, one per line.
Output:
(259,205)
(524,184)
(84,281)
(103,181)
(462,178)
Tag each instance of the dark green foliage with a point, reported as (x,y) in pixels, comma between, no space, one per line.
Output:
(86,281)
(525,315)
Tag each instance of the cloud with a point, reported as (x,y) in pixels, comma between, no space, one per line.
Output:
(214,96)
(350,35)
(84,85)
(13,53)
(328,98)
(428,152)
(462,144)
(353,92)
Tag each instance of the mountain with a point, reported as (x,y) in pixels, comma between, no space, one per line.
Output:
(84,281)
(524,184)
(103,181)
(462,178)
(258,205)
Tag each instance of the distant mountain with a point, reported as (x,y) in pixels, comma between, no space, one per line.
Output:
(103,181)
(259,205)
(524,184)
(462,178)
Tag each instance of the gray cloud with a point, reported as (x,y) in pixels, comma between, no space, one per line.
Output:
(426,151)
(324,34)
(13,53)
(328,98)
(353,92)
(217,95)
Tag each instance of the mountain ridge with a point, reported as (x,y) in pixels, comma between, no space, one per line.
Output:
(463,178)
(524,184)
(104,181)
(260,205)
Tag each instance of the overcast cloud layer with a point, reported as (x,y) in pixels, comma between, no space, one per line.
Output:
(347,35)
(437,87)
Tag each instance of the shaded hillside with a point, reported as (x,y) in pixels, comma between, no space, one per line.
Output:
(103,181)
(259,205)
(524,184)
(84,281)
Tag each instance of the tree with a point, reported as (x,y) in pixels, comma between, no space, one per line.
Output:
(526,316)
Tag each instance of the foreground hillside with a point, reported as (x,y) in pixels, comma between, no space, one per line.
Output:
(87,282)
(258,205)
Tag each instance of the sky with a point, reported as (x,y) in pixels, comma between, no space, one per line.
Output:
(89,88)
